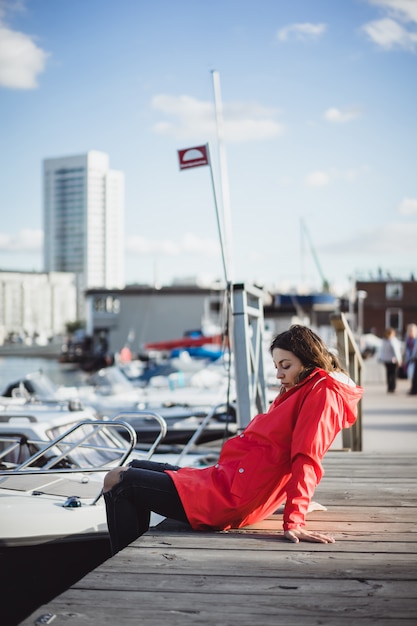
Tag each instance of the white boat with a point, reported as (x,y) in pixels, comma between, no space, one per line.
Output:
(110,389)
(52,463)
(183,406)
(53,457)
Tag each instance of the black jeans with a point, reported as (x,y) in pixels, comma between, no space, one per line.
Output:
(391,376)
(143,488)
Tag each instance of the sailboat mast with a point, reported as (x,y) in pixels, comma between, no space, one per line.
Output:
(224,182)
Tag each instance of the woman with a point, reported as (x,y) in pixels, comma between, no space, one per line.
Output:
(276,459)
(390,355)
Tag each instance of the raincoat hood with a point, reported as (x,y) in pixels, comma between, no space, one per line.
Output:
(349,392)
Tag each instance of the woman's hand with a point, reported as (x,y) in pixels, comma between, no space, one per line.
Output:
(299,534)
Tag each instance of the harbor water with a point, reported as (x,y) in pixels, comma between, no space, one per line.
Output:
(13,368)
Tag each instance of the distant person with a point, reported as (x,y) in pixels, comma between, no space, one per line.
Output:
(391,357)
(125,355)
(413,362)
(276,459)
(409,344)
(103,345)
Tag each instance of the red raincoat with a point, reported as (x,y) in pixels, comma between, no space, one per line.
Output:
(277,458)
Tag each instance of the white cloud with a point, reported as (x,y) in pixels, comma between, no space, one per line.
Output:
(11,6)
(26,240)
(318,179)
(193,244)
(353,174)
(405,10)
(194,119)
(388,240)
(408,206)
(21,60)
(339,116)
(388,34)
(397,29)
(189,244)
(321,178)
(142,246)
(301,31)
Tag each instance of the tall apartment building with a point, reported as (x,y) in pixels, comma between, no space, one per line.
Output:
(84,219)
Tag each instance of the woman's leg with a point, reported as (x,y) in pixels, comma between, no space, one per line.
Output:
(394,376)
(391,377)
(153,465)
(387,375)
(130,501)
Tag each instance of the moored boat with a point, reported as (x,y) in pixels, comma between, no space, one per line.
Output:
(183,404)
(52,462)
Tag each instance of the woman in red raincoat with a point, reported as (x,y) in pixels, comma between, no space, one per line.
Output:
(276,459)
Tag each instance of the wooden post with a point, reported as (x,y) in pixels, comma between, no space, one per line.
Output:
(351,359)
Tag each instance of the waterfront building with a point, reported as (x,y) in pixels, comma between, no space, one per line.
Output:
(84,220)
(386,302)
(137,315)
(36,306)
(140,314)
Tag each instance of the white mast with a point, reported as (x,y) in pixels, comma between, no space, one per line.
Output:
(224,181)
(247,304)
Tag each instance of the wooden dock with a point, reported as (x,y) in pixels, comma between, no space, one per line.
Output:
(175,577)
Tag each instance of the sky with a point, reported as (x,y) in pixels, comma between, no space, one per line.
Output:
(308,109)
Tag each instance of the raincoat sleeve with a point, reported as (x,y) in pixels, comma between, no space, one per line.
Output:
(317,425)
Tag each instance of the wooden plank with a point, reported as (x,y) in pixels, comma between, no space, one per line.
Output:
(182,609)
(262,541)
(218,583)
(322,561)
(334,526)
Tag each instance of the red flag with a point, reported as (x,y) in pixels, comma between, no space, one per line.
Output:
(193,157)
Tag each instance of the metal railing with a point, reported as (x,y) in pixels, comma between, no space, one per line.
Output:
(352,361)
(248,323)
(200,429)
(48,451)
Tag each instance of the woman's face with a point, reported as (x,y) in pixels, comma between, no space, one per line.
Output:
(288,367)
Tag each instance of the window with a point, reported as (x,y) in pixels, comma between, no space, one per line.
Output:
(394,319)
(107,304)
(394,291)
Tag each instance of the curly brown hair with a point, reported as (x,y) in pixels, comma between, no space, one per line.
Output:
(308,347)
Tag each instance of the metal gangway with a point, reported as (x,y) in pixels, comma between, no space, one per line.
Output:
(247,348)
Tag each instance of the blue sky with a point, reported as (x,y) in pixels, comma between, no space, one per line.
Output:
(319,117)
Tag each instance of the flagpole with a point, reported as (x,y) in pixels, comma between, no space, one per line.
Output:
(196,157)
(219,225)
(224,184)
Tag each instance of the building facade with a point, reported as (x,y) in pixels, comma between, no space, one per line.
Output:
(36,306)
(84,219)
(138,315)
(387,303)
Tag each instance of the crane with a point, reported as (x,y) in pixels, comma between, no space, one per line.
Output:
(306,234)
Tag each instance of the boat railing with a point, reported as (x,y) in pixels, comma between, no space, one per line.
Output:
(155,416)
(73,404)
(193,440)
(47,453)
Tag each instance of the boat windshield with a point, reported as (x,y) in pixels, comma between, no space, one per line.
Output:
(98,446)
(43,386)
(110,380)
